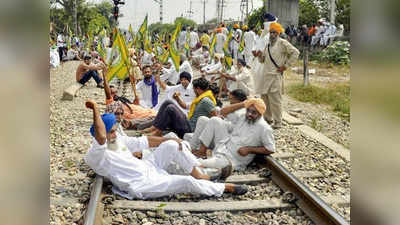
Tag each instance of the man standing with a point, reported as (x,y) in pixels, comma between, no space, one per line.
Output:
(237,36)
(249,41)
(277,56)
(220,41)
(194,39)
(205,40)
(87,70)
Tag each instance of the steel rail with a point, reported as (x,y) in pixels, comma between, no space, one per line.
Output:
(312,205)
(91,212)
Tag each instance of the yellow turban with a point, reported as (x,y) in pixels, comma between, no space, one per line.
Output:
(276,27)
(244,27)
(258,103)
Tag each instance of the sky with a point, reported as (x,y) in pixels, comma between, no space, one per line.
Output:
(134,11)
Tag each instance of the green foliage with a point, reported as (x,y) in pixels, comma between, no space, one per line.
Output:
(97,23)
(308,13)
(337,96)
(256,17)
(343,11)
(161,28)
(337,53)
(99,14)
(185,22)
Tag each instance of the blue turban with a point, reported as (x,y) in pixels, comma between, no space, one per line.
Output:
(269,17)
(109,121)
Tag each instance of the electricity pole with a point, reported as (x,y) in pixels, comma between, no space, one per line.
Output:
(222,10)
(190,12)
(160,2)
(204,11)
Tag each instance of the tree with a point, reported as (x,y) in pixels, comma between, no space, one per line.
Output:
(308,12)
(185,22)
(160,28)
(87,14)
(256,17)
(343,11)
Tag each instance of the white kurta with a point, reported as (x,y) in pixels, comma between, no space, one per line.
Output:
(54,57)
(185,67)
(187,96)
(249,42)
(219,43)
(147,178)
(146,59)
(243,134)
(181,39)
(235,43)
(243,81)
(146,91)
(219,127)
(194,39)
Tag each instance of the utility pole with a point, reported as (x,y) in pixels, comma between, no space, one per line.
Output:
(160,2)
(190,12)
(218,12)
(222,11)
(204,11)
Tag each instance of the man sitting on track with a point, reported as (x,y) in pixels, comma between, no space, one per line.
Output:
(133,116)
(112,156)
(236,144)
(171,117)
(236,96)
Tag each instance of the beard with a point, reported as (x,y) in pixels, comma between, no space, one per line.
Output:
(113,145)
(250,121)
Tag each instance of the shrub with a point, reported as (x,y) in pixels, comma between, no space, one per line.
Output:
(336,53)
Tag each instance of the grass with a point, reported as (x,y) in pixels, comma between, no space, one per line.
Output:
(336,95)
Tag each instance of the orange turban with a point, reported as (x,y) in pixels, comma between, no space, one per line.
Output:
(258,103)
(276,27)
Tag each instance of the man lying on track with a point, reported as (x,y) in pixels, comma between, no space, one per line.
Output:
(250,135)
(112,156)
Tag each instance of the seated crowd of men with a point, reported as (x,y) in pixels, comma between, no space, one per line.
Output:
(188,129)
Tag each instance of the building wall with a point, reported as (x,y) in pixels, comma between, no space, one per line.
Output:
(287,11)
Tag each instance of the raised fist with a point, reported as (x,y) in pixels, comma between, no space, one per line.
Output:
(90,104)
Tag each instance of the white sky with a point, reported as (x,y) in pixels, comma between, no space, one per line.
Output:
(134,11)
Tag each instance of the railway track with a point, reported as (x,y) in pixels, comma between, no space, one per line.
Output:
(271,196)
(293,194)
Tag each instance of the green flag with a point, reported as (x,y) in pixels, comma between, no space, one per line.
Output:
(228,56)
(173,51)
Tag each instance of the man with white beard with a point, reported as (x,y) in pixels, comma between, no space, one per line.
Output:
(116,158)
(236,144)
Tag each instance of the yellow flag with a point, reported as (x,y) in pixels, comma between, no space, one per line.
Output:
(119,62)
(228,56)
(173,51)
(212,46)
